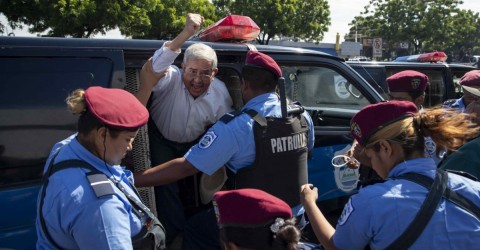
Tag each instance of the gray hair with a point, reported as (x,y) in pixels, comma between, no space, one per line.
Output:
(200,51)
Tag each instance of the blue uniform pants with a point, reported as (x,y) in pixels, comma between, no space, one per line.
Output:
(201,232)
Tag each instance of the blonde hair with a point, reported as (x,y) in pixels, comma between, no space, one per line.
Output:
(447,128)
(76,102)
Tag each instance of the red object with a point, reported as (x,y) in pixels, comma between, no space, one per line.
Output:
(471,79)
(260,60)
(116,108)
(232,27)
(373,117)
(248,207)
(437,56)
(407,81)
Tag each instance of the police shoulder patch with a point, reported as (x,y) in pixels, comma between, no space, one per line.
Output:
(347,211)
(207,140)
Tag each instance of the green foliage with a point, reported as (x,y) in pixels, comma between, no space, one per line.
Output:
(427,25)
(164,19)
(75,18)
(303,20)
(167,18)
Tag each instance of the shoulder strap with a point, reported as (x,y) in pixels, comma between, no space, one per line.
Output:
(416,227)
(226,118)
(449,194)
(45,177)
(260,120)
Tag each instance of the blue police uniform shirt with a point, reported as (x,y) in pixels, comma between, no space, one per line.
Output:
(458,104)
(75,218)
(233,144)
(379,213)
(430,148)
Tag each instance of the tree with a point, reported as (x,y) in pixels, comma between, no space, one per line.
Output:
(76,18)
(303,20)
(167,18)
(425,25)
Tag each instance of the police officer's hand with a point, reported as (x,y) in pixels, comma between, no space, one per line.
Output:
(148,77)
(193,23)
(308,194)
(357,151)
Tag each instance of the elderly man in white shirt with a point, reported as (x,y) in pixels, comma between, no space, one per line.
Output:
(183,104)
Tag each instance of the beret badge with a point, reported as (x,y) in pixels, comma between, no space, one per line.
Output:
(356,130)
(415,83)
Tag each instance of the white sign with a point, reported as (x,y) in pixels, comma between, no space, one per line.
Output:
(377,47)
(351,48)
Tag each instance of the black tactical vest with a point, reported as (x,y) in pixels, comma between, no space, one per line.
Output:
(280,166)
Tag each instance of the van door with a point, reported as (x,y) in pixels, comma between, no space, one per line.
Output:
(34,85)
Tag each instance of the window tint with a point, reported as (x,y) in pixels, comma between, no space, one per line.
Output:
(320,88)
(375,76)
(33,111)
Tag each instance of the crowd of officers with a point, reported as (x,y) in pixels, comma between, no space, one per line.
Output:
(89,201)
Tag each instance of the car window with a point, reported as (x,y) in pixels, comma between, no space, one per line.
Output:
(33,109)
(375,76)
(321,87)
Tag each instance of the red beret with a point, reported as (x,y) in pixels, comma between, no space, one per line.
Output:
(248,207)
(471,79)
(116,108)
(373,117)
(260,60)
(407,81)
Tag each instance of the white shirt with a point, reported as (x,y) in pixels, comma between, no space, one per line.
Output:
(179,116)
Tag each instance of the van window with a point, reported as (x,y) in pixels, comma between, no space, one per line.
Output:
(33,110)
(319,88)
(375,76)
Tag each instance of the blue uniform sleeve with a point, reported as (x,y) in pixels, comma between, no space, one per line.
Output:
(105,224)
(352,227)
(216,148)
(311,131)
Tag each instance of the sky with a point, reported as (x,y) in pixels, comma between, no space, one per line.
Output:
(341,13)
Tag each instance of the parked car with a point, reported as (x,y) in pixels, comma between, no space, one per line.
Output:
(39,73)
(443,77)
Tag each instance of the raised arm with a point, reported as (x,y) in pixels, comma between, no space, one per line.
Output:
(192,25)
(148,80)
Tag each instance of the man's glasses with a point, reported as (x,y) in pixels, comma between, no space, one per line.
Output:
(191,73)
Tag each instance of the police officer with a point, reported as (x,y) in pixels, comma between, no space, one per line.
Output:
(410,85)
(381,215)
(407,85)
(471,79)
(231,142)
(467,158)
(253,219)
(87,200)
